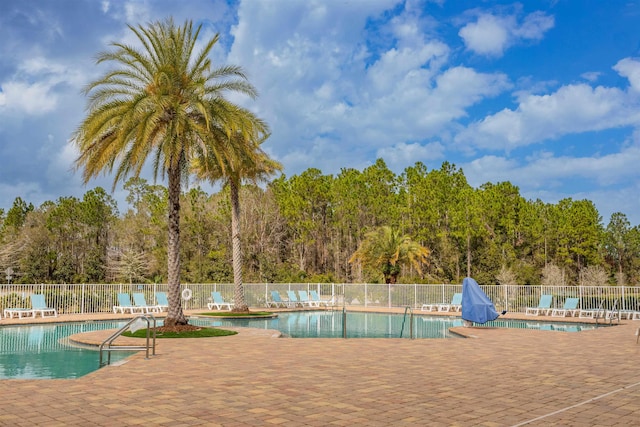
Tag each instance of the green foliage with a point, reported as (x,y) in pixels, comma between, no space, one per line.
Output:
(321,278)
(17,214)
(162,98)
(305,228)
(237,314)
(386,251)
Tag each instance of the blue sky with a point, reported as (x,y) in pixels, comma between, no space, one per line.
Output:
(544,94)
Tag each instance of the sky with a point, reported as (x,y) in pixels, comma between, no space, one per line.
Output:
(544,94)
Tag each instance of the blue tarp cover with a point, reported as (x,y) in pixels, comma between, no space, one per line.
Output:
(476,305)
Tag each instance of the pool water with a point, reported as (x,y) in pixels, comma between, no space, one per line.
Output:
(329,324)
(44,352)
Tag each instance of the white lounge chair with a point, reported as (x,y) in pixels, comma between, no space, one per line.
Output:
(140,301)
(316,298)
(305,300)
(18,312)
(293,299)
(590,313)
(219,302)
(454,305)
(628,314)
(161,301)
(276,300)
(570,308)
(38,305)
(544,306)
(124,304)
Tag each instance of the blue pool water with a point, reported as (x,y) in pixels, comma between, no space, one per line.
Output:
(329,324)
(44,352)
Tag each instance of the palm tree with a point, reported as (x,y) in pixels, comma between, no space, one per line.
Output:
(249,163)
(164,100)
(386,250)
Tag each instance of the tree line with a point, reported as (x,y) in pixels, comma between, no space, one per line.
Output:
(307,228)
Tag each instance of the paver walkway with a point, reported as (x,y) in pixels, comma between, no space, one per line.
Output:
(500,377)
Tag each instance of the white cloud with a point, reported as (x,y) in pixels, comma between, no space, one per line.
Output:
(534,26)
(629,68)
(396,66)
(462,87)
(319,81)
(491,35)
(611,181)
(602,170)
(401,155)
(34,98)
(30,192)
(608,201)
(37,85)
(489,169)
(591,76)
(340,84)
(571,109)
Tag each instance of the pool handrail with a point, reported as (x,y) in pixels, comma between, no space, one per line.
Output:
(147,317)
(410,310)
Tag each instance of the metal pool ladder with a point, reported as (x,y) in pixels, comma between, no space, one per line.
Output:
(410,310)
(150,342)
(612,314)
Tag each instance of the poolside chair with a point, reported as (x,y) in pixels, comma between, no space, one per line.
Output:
(219,302)
(124,304)
(305,300)
(601,311)
(591,313)
(544,306)
(276,300)
(38,305)
(293,299)
(454,305)
(161,301)
(140,301)
(629,312)
(570,308)
(10,313)
(429,307)
(316,298)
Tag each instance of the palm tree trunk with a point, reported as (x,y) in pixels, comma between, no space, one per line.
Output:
(239,304)
(175,315)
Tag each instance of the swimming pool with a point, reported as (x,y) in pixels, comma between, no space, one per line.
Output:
(44,352)
(329,324)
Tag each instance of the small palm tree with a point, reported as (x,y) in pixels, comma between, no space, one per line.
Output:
(386,250)
(163,100)
(250,163)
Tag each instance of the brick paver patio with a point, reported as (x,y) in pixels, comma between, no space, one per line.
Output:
(498,377)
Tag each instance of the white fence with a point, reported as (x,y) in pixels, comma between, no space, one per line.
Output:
(100,298)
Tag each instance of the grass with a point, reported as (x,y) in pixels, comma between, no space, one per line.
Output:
(197,333)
